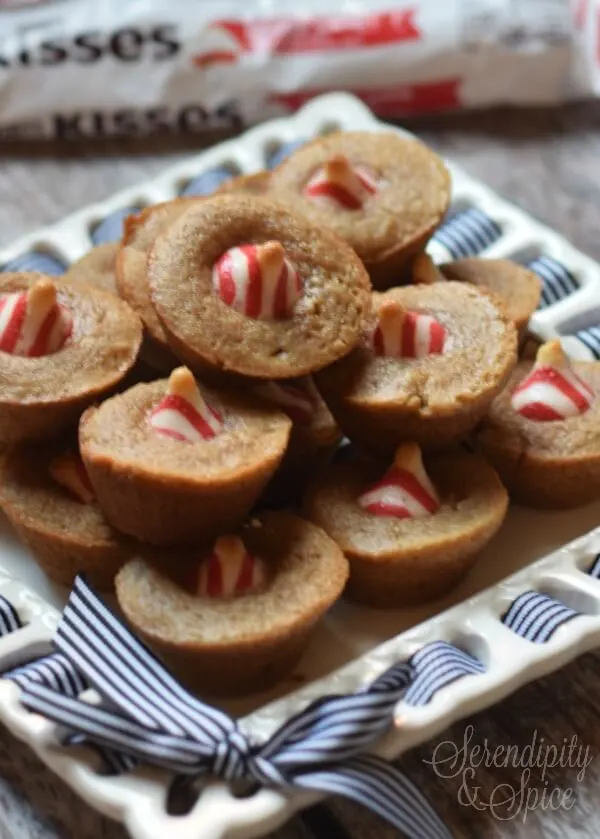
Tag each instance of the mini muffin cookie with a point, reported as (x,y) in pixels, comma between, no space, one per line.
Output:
(384,194)
(62,345)
(139,234)
(315,434)
(542,432)
(255,184)
(519,289)
(235,618)
(171,464)
(427,371)
(244,286)
(48,498)
(97,268)
(410,534)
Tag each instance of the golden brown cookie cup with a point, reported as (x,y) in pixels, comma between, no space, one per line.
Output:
(228,647)
(398,563)
(256,183)
(313,439)
(519,289)
(546,465)
(97,268)
(395,223)
(166,491)
(40,397)
(206,333)
(65,536)
(140,231)
(309,450)
(437,400)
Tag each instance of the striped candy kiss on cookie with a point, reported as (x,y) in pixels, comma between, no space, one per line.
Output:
(258,281)
(33,323)
(341,184)
(184,414)
(296,398)
(405,491)
(68,470)
(402,334)
(229,570)
(552,391)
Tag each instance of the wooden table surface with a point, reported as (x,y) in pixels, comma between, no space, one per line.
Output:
(547,162)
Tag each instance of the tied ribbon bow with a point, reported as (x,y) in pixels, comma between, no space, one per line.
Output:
(148,715)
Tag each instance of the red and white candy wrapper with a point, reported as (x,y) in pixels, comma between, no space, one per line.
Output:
(33,323)
(552,391)
(79,69)
(341,185)
(184,414)
(230,570)
(296,398)
(258,281)
(69,472)
(403,334)
(405,491)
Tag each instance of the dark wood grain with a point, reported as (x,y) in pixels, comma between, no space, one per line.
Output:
(545,161)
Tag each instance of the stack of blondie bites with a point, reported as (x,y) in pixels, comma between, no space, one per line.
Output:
(157,399)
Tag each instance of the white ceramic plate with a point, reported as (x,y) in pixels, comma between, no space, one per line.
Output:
(361,642)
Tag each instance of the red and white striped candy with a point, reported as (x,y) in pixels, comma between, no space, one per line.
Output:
(341,184)
(405,491)
(402,334)
(33,323)
(68,470)
(552,391)
(297,399)
(258,281)
(184,414)
(230,570)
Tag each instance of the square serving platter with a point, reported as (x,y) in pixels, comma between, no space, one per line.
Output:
(354,644)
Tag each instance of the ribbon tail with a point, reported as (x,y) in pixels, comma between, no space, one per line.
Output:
(383,789)
(127,674)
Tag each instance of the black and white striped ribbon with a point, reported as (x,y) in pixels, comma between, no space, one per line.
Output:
(595,569)
(436,665)
(35,261)
(110,229)
(207,182)
(284,150)
(557,281)
(9,618)
(147,715)
(591,339)
(55,671)
(468,233)
(536,617)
